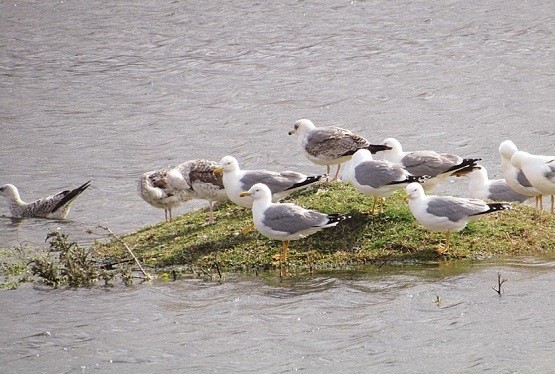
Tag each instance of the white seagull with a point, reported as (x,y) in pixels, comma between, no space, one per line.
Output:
(540,171)
(54,206)
(514,177)
(195,179)
(329,145)
(438,166)
(481,187)
(377,178)
(286,221)
(281,184)
(446,213)
(153,188)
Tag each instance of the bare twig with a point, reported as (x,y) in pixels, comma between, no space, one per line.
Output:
(217,266)
(146,275)
(509,238)
(206,273)
(499,283)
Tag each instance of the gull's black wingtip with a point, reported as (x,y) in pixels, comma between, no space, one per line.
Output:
(70,195)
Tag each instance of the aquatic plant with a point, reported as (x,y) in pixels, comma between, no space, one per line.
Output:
(13,267)
(65,263)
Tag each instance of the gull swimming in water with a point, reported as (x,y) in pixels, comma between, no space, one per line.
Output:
(446,213)
(539,170)
(330,145)
(55,206)
(377,178)
(195,179)
(153,188)
(514,177)
(481,187)
(286,221)
(281,184)
(438,166)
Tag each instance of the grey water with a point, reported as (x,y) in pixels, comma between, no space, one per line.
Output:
(104,91)
(379,321)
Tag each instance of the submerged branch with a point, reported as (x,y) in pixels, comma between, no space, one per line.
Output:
(499,283)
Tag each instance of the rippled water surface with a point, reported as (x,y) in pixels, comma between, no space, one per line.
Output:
(382,321)
(108,90)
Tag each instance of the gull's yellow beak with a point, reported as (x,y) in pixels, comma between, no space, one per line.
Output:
(244,193)
(292,132)
(218,171)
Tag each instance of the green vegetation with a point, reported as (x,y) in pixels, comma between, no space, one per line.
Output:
(392,236)
(64,264)
(188,247)
(13,267)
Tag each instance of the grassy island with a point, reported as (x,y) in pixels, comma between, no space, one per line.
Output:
(188,247)
(392,236)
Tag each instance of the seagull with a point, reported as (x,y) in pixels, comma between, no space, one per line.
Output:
(540,171)
(514,177)
(438,166)
(195,179)
(330,145)
(446,213)
(377,178)
(481,187)
(55,206)
(286,221)
(154,189)
(281,184)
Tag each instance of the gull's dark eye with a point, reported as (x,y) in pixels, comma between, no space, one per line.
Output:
(296,127)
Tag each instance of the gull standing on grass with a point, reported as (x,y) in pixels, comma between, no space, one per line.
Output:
(438,166)
(153,188)
(54,206)
(514,177)
(281,184)
(540,171)
(446,213)
(377,178)
(286,221)
(330,145)
(481,187)
(195,179)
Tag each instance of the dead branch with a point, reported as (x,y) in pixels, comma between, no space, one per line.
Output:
(217,266)
(499,283)
(146,275)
